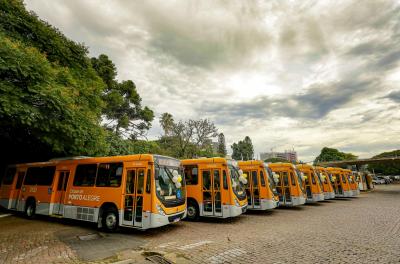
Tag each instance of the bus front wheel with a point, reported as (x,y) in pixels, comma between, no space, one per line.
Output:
(192,211)
(110,220)
(30,209)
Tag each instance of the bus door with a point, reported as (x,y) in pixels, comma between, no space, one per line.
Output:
(253,190)
(283,187)
(17,194)
(58,207)
(307,184)
(133,197)
(339,184)
(211,189)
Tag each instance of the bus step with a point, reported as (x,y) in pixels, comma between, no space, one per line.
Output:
(56,216)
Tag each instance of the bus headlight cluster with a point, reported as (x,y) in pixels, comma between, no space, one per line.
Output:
(160,210)
(237,202)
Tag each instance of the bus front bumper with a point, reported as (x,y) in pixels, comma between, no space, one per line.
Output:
(233,210)
(316,197)
(329,195)
(157,220)
(266,204)
(296,200)
(345,194)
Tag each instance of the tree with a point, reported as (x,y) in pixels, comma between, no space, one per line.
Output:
(123,111)
(243,150)
(387,168)
(222,145)
(167,123)
(331,154)
(186,139)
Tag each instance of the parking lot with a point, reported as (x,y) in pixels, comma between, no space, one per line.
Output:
(364,229)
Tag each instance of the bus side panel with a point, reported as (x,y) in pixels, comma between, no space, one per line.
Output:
(5,196)
(42,195)
(83,203)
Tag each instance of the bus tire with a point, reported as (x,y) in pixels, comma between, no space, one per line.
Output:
(110,220)
(192,211)
(30,209)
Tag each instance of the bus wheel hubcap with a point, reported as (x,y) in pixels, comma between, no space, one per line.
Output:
(29,211)
(111,220)
(191,211)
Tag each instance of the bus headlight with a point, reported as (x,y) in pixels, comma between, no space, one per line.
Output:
(237,202)
(160,210)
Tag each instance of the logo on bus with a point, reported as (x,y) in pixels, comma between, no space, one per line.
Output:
(78,195)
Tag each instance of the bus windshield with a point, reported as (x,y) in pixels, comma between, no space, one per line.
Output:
(319,179)
(166,189)
(271,180)
(239,187)
(298,174)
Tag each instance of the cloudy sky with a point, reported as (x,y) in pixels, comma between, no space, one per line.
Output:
(289,74)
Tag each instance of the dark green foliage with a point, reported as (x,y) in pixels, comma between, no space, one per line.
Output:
(331,154)
(221,145)
(24,26)
(387,168)
(52,101)
(243,150)
(123,109)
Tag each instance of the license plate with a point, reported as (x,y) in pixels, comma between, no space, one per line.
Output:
(176,219)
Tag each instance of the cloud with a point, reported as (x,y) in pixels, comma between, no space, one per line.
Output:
(287,73)
(394,96)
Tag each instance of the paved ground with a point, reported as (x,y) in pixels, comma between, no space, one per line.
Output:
(362,230)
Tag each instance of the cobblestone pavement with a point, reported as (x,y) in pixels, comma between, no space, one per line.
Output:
(365,229)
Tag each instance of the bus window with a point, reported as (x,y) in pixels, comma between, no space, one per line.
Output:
(109,175)
(312,178)
(9,176)
(21,175)
(262,179)
(40,176)
(254,178)
(140,181)
(85,175)
(165,187)
(130,181)
(225,179)
(191,175)
(207,200)
(148,181)
(285,178)
(293,180)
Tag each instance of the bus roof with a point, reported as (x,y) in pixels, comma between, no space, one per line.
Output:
(251,162)
(204,161)
(137,157)
(304,166)
(280,164)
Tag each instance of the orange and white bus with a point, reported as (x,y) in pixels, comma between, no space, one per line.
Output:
(289,184)
(137,191)
(214,188)
(361,179)
(340,182)
(352,181)
(311,183)
(325,177)
(259,189)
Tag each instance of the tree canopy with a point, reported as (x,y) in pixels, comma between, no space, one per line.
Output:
(243,150)
(331,154)
(54,99)
(387,168)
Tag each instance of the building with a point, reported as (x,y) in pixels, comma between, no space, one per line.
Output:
(289,155)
